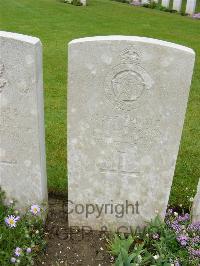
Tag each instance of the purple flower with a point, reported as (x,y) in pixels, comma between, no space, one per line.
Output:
(35,209)
(176,263)
(18,251)
(194,252)
(28,250)
(11,220)
(197,16)
(184,218)
(195,240)
(194,227)
(183,240)
(176,226)
(136,3)
(17,218)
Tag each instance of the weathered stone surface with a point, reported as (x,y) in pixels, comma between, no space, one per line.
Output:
(177,5)
(22,148)
(126,105)
(196,206)
(190,7)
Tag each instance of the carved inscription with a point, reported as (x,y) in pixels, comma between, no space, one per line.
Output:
(127,82)
(116,128)
(117,166)
(6,157)
(126,132)
(7,162)
(9,116)
(127,86)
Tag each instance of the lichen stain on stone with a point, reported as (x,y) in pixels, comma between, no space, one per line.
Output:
(2,80)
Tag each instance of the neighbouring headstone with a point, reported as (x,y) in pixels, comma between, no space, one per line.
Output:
(177,5)
(196,206)
(190,7)
(83,2)
(145,2)
(126,108)
(165,3)
(22,144)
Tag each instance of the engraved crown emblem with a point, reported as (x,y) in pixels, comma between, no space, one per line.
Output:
(127,82)
(130,55)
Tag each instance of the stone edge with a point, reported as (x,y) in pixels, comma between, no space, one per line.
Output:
(37,46)
(19,37)
(135,39)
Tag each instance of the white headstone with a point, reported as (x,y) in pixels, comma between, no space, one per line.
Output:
(83,2)
(177,5)
(190,7)
(145,1)
(22,145)
(165,3)
(196,206)
(126,108)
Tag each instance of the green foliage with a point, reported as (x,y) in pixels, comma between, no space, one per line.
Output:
(157,6)
(173,11)
(139,255)
(28,234)
(167,245)
(154,5)
(120,242)
(76,3)
(151,4)
(122,1)
(156,245)
(120,247)
(183,13)
(124,258)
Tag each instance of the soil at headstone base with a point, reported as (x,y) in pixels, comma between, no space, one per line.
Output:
(69,246)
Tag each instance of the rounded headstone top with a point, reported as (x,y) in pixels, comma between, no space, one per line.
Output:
(134,39)
(19,37)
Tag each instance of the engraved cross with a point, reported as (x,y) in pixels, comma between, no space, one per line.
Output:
(120,169)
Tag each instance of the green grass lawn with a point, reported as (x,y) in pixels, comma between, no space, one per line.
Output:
(56,23)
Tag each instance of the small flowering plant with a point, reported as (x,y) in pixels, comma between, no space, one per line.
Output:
(21,236)
(187,233)
(18,252)
(11,220)
(35,209)
(174,242)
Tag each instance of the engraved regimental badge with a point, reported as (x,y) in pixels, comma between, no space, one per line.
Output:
(127,82)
